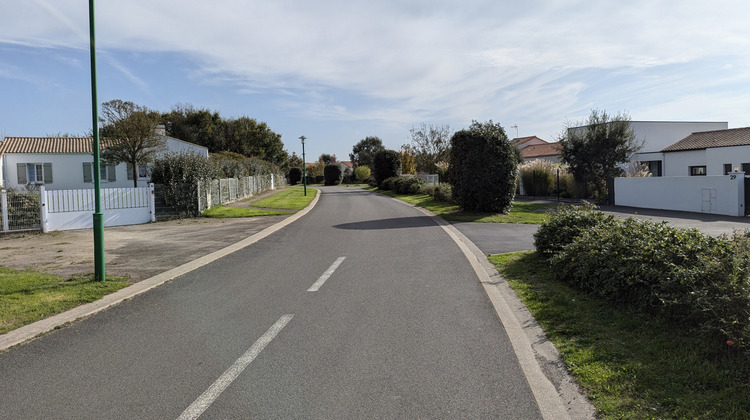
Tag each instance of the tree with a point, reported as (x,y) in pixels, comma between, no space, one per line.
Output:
(363,152)
(333,174)
(431,145)
(483,168)
(294,161)
(362,173)
(295,176)
(326,158)
(594,150)
(130,134)
(387,164)
(407,160)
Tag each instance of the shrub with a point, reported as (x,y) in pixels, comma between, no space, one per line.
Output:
(362,173)
(386,164)
(333,174)
(180,175)
(538,177)
(680,274)
(408,184)
(483,168)
(389,184)
(295,176)
(565,224)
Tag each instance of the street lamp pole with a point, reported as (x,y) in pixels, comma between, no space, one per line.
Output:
(98,216)
(304,165)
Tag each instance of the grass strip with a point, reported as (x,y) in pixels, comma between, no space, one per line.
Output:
(221,212)
(520,213)
(631,365)
(290,198)
(27,296)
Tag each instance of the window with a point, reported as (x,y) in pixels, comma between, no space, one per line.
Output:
(144,172)
(746,168)
(727,168)
(107,173)
(34,173)
(654,166)
(698,170)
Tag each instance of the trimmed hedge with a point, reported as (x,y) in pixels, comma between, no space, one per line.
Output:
(680,274)
(483,169)
(333,174)
(386,164)
(295,176)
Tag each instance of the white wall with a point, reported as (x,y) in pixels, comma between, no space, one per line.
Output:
(701,194)
(679,163)
(178,146)
(716,157)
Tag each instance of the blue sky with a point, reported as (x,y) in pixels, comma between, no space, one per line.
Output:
(337,71)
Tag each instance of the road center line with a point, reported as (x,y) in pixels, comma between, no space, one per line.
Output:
(209,396)
(326,275)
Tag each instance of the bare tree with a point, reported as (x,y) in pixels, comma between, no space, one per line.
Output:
(130,134)
(431,145)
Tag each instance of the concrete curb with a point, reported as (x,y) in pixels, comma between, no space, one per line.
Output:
(557,394)
(30,331)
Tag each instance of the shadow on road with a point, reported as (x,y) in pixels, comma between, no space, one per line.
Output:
(393,223)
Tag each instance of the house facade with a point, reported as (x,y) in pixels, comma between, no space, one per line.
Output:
(658,135)
(67,163)
(709,153)
(534,148)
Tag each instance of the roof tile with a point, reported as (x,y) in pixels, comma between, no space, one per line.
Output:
(710,139)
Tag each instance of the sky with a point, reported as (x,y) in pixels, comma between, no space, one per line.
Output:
(338,71)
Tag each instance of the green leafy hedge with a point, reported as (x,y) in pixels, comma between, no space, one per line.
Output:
(295,176)
(333,174)
(681,274)
(386,164)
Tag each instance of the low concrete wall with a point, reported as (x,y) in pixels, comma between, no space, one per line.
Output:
(701,194)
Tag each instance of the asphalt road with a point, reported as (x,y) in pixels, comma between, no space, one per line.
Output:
(363,308)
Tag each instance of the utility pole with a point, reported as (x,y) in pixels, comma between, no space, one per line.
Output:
(304,165)
(98,216)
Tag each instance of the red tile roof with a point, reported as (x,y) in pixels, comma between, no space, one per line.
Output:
(539,150)
(47,145)
(710,139)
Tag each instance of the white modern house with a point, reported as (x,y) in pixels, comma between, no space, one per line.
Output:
(702,172)
(61,163)
(657,135)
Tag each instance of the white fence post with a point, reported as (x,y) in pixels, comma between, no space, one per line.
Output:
(152,202)
(272,181)
(4,205)
(44,214)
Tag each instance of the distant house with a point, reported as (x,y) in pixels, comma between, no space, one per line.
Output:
(67,163)
(716,152)
(659,134)
(533,148)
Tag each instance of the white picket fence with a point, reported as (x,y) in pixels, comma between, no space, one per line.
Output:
(74,209)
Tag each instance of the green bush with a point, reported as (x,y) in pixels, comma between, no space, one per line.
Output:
(180,174)
(295,176)
(389,184)
(386,164)
(408,184)
(483,168)
(333,174)
(679,274)
(362,173)
(537,181)
(565,224)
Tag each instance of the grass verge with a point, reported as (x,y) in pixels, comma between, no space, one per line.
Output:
(521,212)
(290,198)
(630,364)
(27,296)
(221,212)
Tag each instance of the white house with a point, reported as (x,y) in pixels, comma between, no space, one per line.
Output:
(67,163)
(716,152)
(657,135)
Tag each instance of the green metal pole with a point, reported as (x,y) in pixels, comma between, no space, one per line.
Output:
(98,216)
(304,165)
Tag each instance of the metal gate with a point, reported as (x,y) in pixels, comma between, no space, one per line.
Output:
(747,196)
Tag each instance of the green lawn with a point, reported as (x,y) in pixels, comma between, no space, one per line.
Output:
(521,212)
(630,364)
(291,199)
(27,296)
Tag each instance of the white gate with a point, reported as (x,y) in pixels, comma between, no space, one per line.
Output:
(74,209)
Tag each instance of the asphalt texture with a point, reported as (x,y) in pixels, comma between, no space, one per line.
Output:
(401,328)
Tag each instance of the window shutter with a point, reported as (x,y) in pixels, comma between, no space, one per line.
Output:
(87,174)
(111,176)
(21,168)
(130,172)
(47,173)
